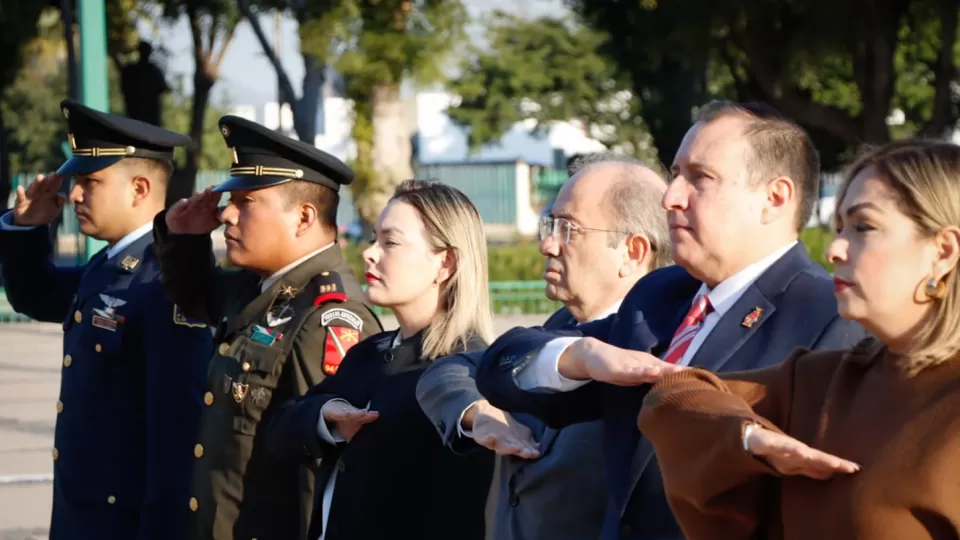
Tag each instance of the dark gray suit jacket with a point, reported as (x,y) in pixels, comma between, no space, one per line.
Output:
(560,495)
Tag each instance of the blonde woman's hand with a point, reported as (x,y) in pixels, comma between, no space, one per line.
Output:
(792,457)
(347,418)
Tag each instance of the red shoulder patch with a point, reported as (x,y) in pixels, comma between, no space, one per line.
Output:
(339,341)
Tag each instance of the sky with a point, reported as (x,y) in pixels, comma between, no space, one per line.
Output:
(247,78)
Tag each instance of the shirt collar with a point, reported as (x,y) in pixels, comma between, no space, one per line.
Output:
(267,283)
(728,291)
(129,239)
(607,312)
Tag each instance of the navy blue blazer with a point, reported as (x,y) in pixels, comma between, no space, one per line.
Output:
(130,391)
(798,310)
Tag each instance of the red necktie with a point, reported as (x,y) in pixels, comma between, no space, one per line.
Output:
(688,329)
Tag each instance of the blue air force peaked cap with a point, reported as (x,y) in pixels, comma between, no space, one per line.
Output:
(263,158)
(98,139)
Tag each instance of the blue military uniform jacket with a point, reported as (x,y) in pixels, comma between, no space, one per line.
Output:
(130,392)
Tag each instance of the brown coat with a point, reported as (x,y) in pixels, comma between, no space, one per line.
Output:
(240,492)
(857,404)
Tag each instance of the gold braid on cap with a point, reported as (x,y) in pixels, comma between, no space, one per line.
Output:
(260,170)
(98,152)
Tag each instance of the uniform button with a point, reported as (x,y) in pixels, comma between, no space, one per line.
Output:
(245,367)
(198,451)
(55,453)
(77,316)
(67,360)
(59,407)
(514,500)
(224,349)
(97,347)
(111,499)
(194,504)
(341,466)
(208,398)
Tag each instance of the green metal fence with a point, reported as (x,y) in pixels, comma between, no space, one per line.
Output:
(506,298)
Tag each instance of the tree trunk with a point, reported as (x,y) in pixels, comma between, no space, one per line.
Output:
(6,175)
(185,183)
(305,108)
(364,173)
(387,153)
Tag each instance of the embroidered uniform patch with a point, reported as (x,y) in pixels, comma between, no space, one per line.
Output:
(339,341)
(182,320)
(347,316)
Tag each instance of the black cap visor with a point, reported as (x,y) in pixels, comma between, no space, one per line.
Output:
(86,164)
(245,183)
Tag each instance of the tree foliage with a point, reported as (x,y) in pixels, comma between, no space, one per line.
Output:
(546,70)
(377,45)
(838,68)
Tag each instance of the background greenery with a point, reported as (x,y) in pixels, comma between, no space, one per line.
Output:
(523,261)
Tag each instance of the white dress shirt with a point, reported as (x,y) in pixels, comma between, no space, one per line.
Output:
(605,313)
(267,283)
(6,224)
(333,436)
(543,371)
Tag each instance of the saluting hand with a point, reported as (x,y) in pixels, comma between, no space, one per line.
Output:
(199,214)
(792,457)
(500,432)
(590,358)
(347,418)
(40,202)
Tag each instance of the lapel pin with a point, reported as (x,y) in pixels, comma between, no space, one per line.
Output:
(129,263)
(752,317)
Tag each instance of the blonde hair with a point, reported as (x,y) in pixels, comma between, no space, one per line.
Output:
(453,223)
(925,175)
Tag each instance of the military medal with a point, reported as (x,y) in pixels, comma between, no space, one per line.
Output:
(107,317)
(752,317)
(239,391)
(259,395)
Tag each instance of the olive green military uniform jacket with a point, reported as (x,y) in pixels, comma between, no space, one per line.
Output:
(270,347)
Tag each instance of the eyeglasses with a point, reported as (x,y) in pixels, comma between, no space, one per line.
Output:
(562,230)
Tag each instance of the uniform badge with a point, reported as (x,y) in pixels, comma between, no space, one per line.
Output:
(345,315)
(259,395)
(107,318)
(182,320)
(280,315)
(288,291)
(752,317)
(339,341)
(239,391)
(129,263)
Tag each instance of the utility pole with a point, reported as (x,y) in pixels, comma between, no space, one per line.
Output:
(93,73)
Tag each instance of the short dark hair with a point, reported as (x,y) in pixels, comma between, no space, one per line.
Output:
(323,198)
(780,147)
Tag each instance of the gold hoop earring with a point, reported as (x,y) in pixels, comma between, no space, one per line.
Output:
(935,288)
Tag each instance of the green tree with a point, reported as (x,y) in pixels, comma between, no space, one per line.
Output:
(546,70)
(18,25)
(305,106)
(212,26)
(838,68)
(377,45)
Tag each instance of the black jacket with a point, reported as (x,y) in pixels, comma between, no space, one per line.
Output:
(395,479)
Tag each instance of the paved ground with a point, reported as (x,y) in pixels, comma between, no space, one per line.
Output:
(29,386)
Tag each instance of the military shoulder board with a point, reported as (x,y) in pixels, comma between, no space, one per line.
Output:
(328,287)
